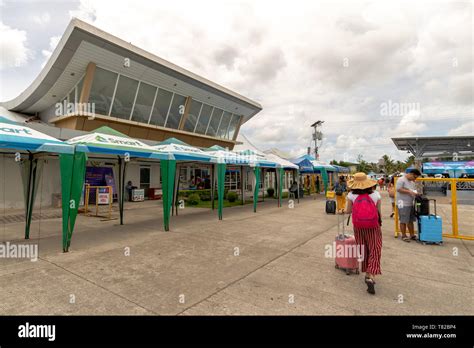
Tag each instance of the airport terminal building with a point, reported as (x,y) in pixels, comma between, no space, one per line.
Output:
(95,79)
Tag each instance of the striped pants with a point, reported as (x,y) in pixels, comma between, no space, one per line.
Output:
(370,244)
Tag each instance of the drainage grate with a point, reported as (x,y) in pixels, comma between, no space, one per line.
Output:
(9,219)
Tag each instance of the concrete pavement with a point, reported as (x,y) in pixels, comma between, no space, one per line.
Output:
(272,262)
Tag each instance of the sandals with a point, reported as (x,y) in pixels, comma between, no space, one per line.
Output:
(414,238)
(406,239)
(370,285)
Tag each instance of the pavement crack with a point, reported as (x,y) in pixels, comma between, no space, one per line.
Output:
(258,268)
(99,286)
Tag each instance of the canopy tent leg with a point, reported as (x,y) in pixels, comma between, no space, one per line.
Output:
(176,205)
(297,175)
(263,184)
(73,171)
(280,185)
(242,190)
(174,209)
(221,168)
(168,169)
(324,174)
(256,188)
(30,177)
(121,191)
(213,185)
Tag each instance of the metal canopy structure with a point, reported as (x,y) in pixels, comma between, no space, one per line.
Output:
(426,147)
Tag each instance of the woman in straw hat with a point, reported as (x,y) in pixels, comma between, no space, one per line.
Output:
(364,203)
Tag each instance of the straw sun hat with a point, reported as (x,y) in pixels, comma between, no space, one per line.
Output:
(360,181)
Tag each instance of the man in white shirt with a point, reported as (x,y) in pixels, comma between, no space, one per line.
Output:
(406,193)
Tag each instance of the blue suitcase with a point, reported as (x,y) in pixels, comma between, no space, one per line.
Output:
(430,228)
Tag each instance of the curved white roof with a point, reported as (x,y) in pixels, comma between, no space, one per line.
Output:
(83,43)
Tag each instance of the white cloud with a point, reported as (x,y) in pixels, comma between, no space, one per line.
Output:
(290,59)
(13,48)
(42,18)
(465,129)
(53,42)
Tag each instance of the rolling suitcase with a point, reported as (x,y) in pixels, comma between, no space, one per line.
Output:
(330,207)
(430,228)
(346,258)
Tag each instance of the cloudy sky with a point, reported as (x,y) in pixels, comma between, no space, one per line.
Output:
(370,69)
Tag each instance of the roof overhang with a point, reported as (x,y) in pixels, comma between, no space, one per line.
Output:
(425,147)
(77,48)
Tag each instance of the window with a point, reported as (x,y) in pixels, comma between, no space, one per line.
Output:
(222,131)
(124,97)
(176,111)
(144,102)
(232,179)
(193,115)
(145,177)
(215,121)
(160,110)
(72,96)
(102,90)
(233,126)
(204,118)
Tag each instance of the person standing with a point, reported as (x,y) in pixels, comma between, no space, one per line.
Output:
(340,188)
(318,187)
(406,193)
(364,203)
(391,193)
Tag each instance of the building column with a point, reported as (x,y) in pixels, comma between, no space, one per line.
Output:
(87,84)
(187,106)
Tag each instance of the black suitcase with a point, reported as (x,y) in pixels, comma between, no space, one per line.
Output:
(330,207)
(422,206)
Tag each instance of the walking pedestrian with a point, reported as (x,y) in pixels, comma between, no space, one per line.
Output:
(340,188)
(364,203)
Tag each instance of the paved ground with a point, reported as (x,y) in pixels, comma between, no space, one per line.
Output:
(271,263)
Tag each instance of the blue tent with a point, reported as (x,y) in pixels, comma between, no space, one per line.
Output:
(305,163)
(340,169)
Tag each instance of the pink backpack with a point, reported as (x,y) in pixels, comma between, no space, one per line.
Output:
(364,212)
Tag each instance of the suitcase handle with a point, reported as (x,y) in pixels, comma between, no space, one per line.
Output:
(434,201)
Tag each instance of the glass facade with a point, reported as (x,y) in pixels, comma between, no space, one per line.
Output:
(204,118)
(176,111)
(193,115)
(117,95)
(144,103)
(233,127)
(102,90)
(124,97)
(215,121)
(222,131)
(160,110)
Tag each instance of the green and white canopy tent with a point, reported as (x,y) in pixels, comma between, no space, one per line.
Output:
(187,153)
(283,165)
(105,141)
(323,168)
(262,160)
(223,158)
(19,137)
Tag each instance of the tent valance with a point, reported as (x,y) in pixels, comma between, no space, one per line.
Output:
(107,141)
